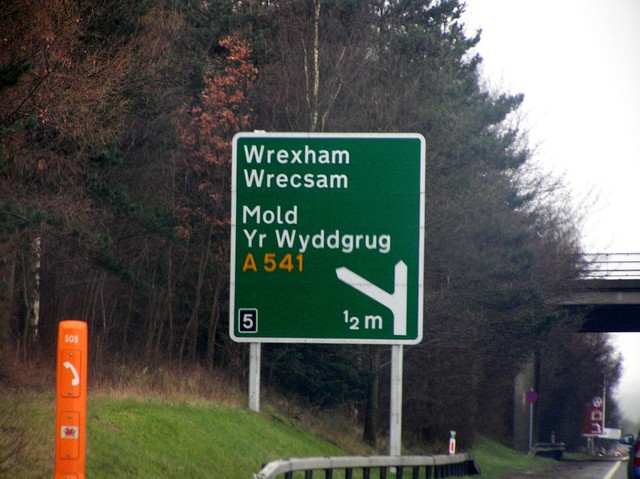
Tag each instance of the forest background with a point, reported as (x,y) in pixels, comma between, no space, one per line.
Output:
(116,120)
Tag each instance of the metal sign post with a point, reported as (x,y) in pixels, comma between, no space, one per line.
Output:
(71,400)
(395,425)
(531,398)
(255,353)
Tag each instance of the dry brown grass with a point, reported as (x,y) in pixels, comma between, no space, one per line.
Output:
(169,383)
(17,373)
(333,424)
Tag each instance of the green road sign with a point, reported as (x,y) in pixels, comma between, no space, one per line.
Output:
(327,238)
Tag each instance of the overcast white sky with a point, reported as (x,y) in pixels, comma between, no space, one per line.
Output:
(578,64)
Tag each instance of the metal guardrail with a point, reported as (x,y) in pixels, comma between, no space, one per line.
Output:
(548,449)
(612,266)
(454,465)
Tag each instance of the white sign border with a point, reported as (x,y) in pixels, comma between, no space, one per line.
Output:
(421,239)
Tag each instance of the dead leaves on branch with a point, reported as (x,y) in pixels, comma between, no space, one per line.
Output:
(207,129)
(222,108)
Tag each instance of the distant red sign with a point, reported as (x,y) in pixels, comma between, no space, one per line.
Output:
(532,397)
(594,420)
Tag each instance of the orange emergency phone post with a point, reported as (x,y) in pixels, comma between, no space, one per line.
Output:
(71,400)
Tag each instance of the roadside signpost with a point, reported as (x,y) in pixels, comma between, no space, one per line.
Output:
(327,238)
(327,242)
(452,442)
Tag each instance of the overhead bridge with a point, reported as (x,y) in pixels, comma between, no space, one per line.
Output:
(608,297)
(609,294)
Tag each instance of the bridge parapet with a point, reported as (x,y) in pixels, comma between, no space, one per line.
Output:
(610,279)
(612,266)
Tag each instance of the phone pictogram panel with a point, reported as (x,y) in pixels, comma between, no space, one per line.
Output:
(70,373)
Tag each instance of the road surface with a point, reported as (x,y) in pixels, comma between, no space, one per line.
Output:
(578,470)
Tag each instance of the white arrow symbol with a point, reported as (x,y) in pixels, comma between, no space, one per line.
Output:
(396,301)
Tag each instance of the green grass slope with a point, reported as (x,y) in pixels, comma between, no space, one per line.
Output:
(140,438)
(132,436)
(143,439)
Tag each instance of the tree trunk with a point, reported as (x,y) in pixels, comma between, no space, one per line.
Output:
(35,291)
(213,323)
(7,283)
(156,318)
(191,329)
(313,76)
(31,293)
(169,310)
